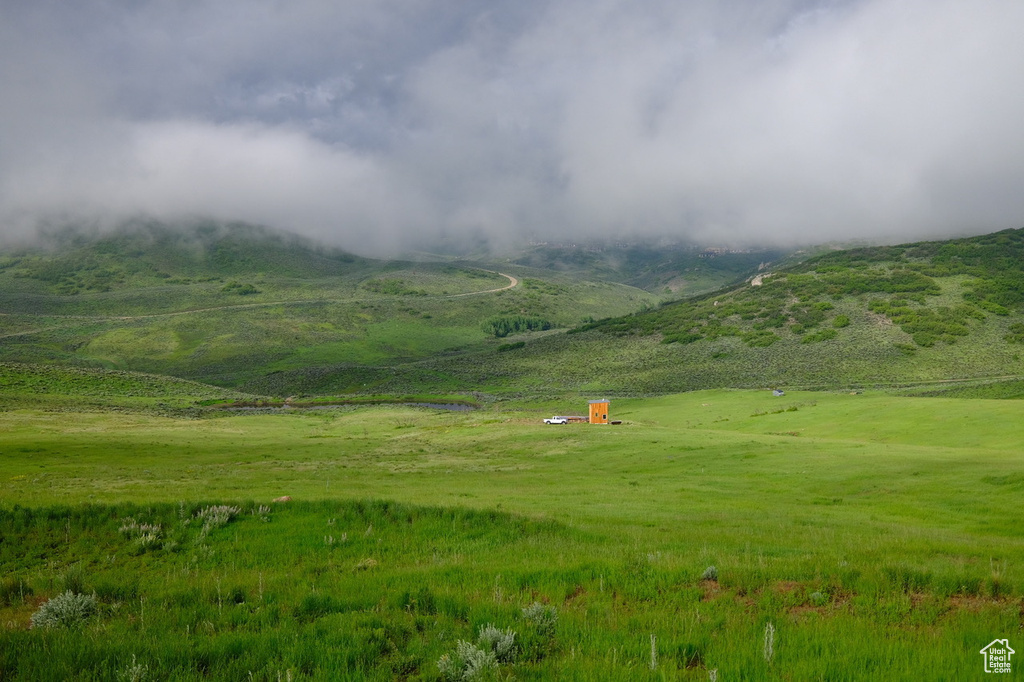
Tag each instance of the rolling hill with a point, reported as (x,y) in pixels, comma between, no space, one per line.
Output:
(918,315)
(227,304)
(676,269)
(268,314)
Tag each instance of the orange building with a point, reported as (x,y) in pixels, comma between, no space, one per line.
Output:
(598,411)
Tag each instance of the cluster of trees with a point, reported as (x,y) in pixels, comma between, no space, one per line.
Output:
(502,326)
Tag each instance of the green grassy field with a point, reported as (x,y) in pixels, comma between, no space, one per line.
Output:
(878,536)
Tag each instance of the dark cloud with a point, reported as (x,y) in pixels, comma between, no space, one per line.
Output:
(378,123)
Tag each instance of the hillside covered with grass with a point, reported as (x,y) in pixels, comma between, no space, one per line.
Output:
(676,269)
(225,304)
(266,314)
(933,291)
(931,314)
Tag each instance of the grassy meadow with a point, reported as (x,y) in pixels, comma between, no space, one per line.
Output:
(724,534)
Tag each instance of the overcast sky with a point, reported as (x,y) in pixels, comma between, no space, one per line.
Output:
(377,123)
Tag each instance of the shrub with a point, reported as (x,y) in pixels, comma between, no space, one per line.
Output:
(994,307)
(501,642)
(1016,334)
(136,672)
(66,610)
(240,289)
(682,339)
(467,663)
(710,573)
(924,339)
(216,516)
(543,617)
(818,336)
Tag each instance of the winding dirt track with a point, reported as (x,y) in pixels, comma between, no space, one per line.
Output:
(513,282)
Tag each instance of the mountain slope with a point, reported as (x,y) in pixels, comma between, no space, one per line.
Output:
(301,319)
(934,291)
(678,269)
(74,261)
(228,303)
(922,313)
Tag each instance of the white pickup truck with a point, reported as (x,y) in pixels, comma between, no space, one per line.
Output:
(557,420)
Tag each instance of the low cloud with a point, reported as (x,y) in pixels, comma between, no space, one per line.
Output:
(380,125)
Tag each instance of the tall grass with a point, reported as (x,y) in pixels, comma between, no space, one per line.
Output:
(266,598)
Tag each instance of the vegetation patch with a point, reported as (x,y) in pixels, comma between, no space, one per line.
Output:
(392,287)
(240,289)
(502,326)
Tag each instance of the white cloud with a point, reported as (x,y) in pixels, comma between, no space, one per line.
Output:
(373,124)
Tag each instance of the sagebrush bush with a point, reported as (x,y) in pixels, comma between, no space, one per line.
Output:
(501,642)
(467,664)
(131,529)
(710,573)
(543,617)
(136,672)
(66,610)
(216,516)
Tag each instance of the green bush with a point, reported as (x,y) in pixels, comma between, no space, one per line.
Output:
(240,289)
(682,339)
(760,339)
(818,336)
(1016,334)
